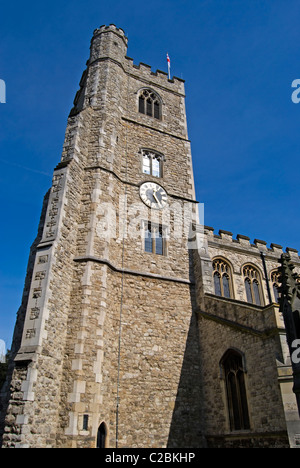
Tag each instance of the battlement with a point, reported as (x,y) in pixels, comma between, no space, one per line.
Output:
(225,238)
(148,69)
(142,70)
(111,28)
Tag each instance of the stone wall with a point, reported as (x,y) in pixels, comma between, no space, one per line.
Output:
(256,331)
(133,356)
(239,252)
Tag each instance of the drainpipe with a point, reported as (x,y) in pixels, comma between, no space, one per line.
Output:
(262,254)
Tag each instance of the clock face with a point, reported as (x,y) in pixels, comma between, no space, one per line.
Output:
(153,195)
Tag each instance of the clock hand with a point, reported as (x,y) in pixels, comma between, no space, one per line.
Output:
(154,195)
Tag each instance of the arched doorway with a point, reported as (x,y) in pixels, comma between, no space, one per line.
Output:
(101,436)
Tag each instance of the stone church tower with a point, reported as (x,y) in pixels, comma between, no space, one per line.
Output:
(107,306)
(135,328)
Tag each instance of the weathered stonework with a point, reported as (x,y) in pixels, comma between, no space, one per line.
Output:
(109,333)
(257,331)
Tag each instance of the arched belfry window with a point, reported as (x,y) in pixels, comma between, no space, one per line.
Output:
(149,103)
(152,163)
(252,283)
(102,435)
(222,278)
(233,372)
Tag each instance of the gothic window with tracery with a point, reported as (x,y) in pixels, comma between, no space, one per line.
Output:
(275,284)
(252,285)
(234,375)
(152,163)
(150,104)
(222,278)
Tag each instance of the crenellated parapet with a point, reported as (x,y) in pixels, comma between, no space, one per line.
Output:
(248,264)
(159,77)
(111,28)
(242,242)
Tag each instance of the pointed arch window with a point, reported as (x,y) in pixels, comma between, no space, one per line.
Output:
(152,163)
(222,278)
(150,103)
(252,285)
(102,436)
(233,372)
(275,284)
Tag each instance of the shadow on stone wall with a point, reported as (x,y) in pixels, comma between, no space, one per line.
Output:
(186,425)
(186,430)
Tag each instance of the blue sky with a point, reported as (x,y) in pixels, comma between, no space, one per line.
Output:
(238,58)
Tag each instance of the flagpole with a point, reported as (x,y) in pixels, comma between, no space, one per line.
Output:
(169,66)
